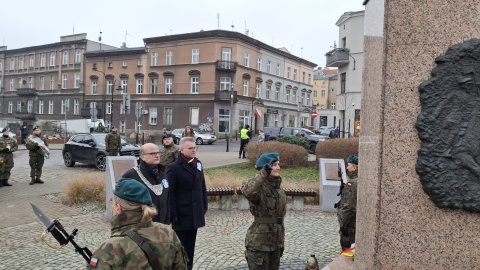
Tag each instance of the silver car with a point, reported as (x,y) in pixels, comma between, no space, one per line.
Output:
(200,137)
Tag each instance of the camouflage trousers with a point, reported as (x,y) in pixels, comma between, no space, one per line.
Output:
(346,240)
(112,152)
(36,165)
(7,167)
(263,260)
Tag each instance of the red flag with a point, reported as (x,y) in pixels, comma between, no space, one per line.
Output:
(258,113)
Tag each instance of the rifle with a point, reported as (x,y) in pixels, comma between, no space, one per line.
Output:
(59,233)
(342,185)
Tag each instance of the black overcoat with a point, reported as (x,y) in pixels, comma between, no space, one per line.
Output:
(188,195)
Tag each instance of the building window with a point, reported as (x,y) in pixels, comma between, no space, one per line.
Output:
(246,61)
(109,108)
(294,97)
(152,116)
(77,80)
(64,106)
(19,106)
(76,106)
(20,62)
(125,64)
(65,58)
(168,85)
(153,85)
(20,82)
(10,107)
(12,64)
(78,57)
(309,78)
(64,81)
(1,66)
(223,120)
(245,87)
(278,70)
(267,92)
(40,107)
(288,72)
(258,88)
(94,87)
(259,64)
(42,60)
(109,87)
(11,84)
(139,86)
(194,116)
(294,74)
(195,56)
(167,116)
(308,100)
(30,82)
(302,99)
(322,95)
(169,58)
(226,54)
(269,66)
(277,92)
(287,96)
(194,85)
(50,107)
(154,58)
(315,93)
(333,106)
(52,59)
(303,77)
(52,82)
(32,61)
(225,83)
(343,82)
(29,106)
(124,84)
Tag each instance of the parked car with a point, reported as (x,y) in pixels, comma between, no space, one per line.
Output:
(200,137)
(90,149)
(274,133)
(11,134)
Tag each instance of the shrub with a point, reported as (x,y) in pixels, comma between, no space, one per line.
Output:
(87,187)
(337,148)
(291,156)
(295,140)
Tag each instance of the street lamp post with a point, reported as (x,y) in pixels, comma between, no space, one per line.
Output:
(119,88)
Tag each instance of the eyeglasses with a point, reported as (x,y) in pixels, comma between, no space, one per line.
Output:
(193,148)
(153,154)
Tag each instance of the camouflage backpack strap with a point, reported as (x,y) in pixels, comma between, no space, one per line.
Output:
(147,249)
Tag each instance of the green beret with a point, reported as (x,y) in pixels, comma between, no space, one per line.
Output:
(133,191)
(167,135)
(36,127)
(111,128)
(5,129)
(267,158)
(353,160)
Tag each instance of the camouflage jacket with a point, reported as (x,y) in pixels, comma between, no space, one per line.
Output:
(113,141)
(35,150)
(267,200)
(121,252)
(347,209)
(168,154)
(8,143)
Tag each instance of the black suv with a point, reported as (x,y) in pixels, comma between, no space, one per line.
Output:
(90,149)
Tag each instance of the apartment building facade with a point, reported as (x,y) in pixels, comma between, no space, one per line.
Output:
(212,80)
(37,82)
(325,97)
(348,57)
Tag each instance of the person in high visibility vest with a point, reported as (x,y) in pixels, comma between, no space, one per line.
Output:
(245,136)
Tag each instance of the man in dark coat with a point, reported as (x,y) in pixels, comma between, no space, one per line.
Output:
(24,131)
(150,173)
(188,195)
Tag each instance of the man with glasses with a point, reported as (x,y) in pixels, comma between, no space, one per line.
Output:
(188,195)
(152,175)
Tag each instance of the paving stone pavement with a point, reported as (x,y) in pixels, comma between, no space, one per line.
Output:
(220,245)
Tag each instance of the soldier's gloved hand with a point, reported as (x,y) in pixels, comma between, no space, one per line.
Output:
(268,169)
(344,231)
(6,150)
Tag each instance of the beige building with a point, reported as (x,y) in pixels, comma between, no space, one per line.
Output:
(325,97)
(212,80)
(36,83)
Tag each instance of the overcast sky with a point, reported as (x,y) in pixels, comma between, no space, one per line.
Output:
(307,24)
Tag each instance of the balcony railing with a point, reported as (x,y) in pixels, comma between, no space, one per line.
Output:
(338,57)
(26,92)
(225,96)
(226,65)
(25,115)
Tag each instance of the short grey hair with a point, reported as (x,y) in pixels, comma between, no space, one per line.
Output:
(184,140)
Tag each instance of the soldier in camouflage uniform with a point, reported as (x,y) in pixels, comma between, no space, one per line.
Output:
(265,238)
(7,147)
(347,207)
(133,210)
(169,151)
(37,157)
(113,142)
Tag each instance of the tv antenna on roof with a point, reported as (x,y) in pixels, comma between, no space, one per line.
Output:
(233,26)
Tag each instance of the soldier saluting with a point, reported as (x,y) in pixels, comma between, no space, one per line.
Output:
(113,142)
(7,147)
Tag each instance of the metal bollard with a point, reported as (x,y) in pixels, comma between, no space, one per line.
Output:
(143,138)
(226,138)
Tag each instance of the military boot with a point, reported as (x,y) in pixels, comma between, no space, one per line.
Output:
(38,180)
(1,183)
(33,181)
(5,183)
